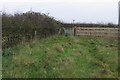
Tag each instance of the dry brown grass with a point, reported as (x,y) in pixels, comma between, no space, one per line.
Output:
(58,48)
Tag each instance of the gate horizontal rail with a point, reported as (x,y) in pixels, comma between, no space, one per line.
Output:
(108,32)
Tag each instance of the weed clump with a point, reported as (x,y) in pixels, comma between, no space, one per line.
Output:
(7,53)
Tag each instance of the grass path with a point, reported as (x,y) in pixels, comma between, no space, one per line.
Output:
(62,57)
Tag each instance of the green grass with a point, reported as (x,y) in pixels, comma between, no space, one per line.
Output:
(62,57)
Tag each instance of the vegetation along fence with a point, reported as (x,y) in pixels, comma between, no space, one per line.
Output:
(100,32)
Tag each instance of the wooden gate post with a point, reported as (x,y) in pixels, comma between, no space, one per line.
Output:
(74,30)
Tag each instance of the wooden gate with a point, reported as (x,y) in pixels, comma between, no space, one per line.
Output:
(89,31)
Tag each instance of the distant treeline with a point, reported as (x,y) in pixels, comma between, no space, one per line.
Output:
(27,26)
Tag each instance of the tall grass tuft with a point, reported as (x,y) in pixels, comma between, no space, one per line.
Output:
(58,48)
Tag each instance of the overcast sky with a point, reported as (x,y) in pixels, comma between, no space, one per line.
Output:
(89,11)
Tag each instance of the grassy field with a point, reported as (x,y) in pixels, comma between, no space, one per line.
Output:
(62,57)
